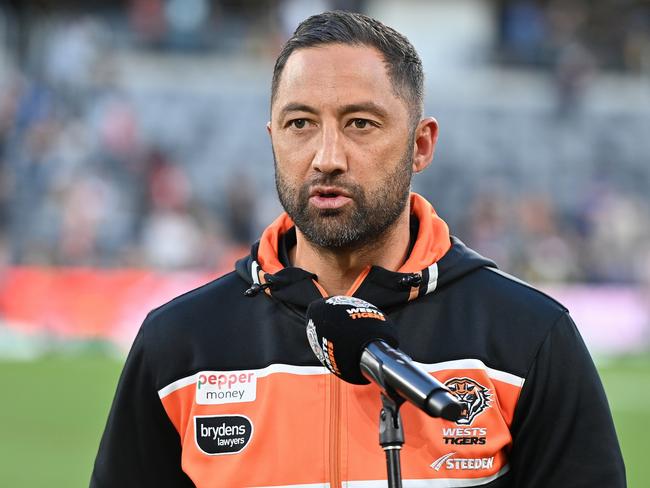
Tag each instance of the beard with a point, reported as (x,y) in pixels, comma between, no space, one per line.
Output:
(368,216)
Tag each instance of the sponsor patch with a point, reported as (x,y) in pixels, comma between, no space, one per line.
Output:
(217,387)
(222,434)
(450,462)
(474,397)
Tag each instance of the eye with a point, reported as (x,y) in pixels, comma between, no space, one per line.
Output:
(298,123)
(360,123)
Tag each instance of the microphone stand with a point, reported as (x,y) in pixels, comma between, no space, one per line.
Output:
(391,437)
(391,434)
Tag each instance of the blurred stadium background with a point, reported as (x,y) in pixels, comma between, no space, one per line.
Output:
(134,165)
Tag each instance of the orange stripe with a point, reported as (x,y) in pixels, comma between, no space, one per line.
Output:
(432,241)
(322,290)
(335,432)
(286,450)
(305,431)
(262,279)
(267,253)
(357,282)
(423,434)
(415,290)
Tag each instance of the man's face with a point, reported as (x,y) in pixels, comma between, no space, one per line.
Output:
(343,145)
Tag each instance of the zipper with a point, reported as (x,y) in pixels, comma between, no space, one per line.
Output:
(335,432)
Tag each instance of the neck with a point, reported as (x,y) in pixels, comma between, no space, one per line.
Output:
(338,270)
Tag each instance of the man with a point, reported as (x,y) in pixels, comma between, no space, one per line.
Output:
(221,388)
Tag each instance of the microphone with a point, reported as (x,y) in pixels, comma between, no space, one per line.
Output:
(358,343)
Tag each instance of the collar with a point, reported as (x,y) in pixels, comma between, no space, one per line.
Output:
(431,243)
(375,284)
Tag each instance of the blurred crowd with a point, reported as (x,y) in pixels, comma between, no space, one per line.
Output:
(80,187)
(85,180)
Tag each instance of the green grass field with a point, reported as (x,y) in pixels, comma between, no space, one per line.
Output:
(53,412)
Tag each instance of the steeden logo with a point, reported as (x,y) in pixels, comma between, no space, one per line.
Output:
(449,462)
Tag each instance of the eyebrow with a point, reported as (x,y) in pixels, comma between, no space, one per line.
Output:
(297,107)
(370,107)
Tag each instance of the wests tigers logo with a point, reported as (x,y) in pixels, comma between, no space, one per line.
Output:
(474,397)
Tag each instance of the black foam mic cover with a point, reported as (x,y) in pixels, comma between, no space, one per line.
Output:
(340,327)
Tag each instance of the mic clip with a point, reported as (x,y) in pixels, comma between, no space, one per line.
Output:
(391,434)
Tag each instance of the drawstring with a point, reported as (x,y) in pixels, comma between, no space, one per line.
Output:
(256,288)
(411,280)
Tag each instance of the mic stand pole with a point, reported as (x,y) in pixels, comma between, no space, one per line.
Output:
(391,438)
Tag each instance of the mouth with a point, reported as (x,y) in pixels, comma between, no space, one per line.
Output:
(329,197)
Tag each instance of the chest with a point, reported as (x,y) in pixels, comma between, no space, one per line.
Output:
(289,425)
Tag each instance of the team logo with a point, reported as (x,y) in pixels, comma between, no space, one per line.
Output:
(351,301)
(324,352)
(222,434)
(464,436)
(312,336)
(474,397)
(365,313)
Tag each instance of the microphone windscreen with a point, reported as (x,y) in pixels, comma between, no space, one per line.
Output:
(340,327)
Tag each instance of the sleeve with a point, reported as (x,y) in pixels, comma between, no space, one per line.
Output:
(140,446)
(563,433)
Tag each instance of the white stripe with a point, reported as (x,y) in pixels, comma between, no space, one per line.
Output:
(473,364)
(311,485)
(422,483)
(254,268)
(259,373)
(318,370)
(177,385)
(433,278)
(288,368)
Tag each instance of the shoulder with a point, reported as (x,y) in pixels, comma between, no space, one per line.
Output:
(519,317)
(486,315)
(191,326)
(194,304)
(505,288)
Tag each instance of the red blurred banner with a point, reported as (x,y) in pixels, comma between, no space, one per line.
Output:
(88,303)
(85,303)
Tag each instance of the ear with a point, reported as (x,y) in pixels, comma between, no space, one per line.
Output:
(424,144)
(268,127)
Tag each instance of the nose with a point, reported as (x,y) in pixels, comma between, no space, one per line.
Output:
(330,156)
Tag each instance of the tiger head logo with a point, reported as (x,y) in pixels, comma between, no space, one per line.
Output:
(474,397)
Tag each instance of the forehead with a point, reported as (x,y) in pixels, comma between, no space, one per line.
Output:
(335,74)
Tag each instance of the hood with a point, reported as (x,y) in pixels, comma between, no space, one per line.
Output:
(435,260)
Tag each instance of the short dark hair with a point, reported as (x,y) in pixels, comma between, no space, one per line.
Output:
(402,60)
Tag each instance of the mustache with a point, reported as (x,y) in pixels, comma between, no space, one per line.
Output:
(331,180)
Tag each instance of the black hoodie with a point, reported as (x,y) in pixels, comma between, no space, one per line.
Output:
(221,388)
